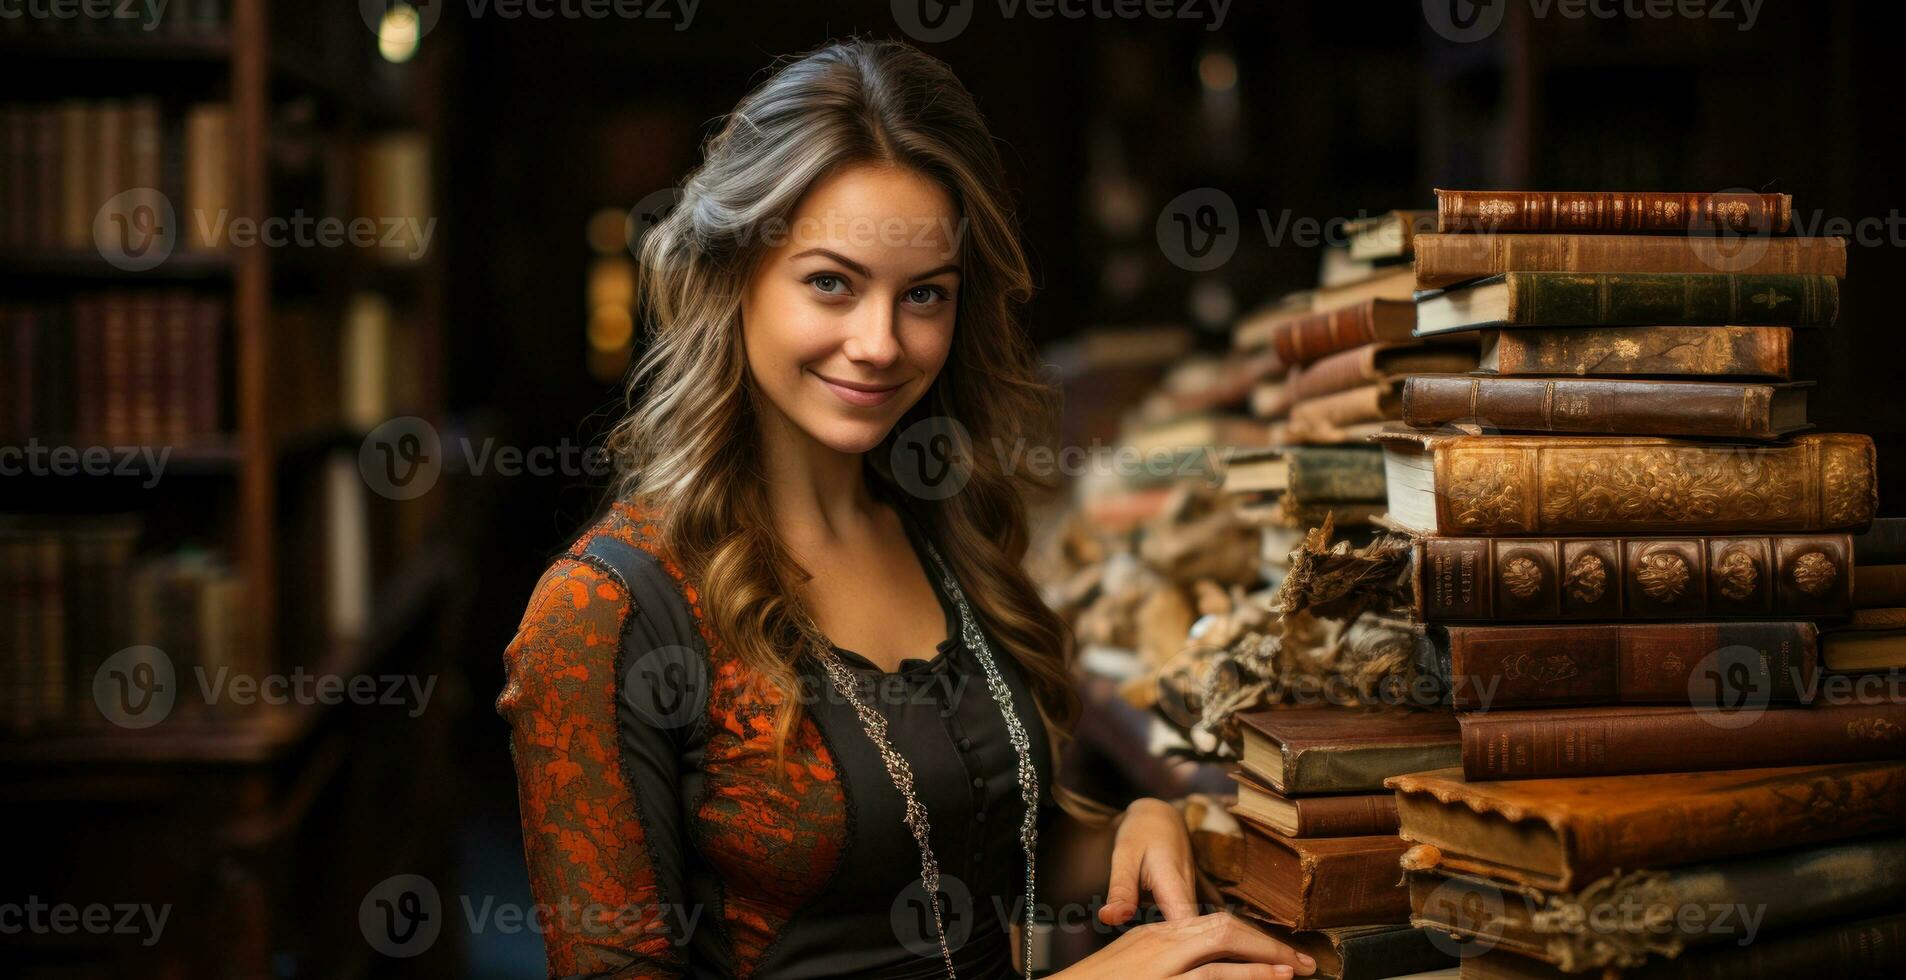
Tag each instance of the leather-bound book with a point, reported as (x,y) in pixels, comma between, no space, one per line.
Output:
(1309,474)
(1559,742)
(1655,913)
(1879,586)
(1313,336)
(1882,544)
(1859,948)
(1388,235)
(1445,259)
(1570,485)
(1328,749)
(1358,952)
(1608,406)
(1509,579)
(1495,667)
(1374,363)
(1614,211)
(1342,417)
(1872,640)
(1347,815)
(1719,352)
(1561,834)
(1323,882)
(1605,299)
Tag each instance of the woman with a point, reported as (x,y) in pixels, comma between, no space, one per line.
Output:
(783,692)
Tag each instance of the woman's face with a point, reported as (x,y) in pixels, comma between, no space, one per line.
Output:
(848,317)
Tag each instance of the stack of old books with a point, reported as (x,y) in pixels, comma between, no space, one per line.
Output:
(1620,579)
(1318,868)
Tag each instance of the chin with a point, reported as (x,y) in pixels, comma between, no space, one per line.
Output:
(850,435)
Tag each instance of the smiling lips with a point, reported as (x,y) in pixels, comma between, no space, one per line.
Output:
(858,394)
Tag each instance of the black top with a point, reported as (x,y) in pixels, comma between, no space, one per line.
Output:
(863,912)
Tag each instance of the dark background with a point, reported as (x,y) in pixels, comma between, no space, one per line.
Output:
(1339,109)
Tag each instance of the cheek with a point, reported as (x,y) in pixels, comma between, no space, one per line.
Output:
(783,335)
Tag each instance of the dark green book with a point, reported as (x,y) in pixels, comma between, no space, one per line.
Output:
(1608,299)
(1335,475)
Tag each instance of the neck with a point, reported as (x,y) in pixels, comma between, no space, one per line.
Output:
(812,490)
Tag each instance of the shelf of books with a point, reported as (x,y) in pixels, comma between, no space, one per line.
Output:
(1542,633)
(212,285)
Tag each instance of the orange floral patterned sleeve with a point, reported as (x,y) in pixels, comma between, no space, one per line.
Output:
(603,876)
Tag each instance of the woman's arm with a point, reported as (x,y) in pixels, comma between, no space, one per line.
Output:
(600,825)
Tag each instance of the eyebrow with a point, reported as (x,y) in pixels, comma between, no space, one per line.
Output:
(866,273)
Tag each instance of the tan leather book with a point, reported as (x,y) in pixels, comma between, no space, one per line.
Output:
(1869,640)
(1613,211)
(1559,742)
(1561,834)
(1372,363)
(1349,815)
(1661,918)
(1852,948)
(1526,579)
(1314,749)
(1743,352)
(1389,235)
(1323,419)
(1487,485)
(1324,882)
(1303,339)
(1607,406)
(1444,259)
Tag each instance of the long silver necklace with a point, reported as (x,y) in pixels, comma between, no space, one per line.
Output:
(915,815)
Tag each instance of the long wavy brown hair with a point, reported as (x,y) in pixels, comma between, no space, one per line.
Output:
(687,447)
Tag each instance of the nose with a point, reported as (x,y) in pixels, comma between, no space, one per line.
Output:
(873,339)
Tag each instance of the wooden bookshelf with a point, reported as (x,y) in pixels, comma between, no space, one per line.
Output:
(242,784)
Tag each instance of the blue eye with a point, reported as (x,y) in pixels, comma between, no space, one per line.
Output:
(926,295)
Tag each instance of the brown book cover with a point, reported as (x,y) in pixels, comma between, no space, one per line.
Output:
(1495,667)
(1313,336)
(1879,586)
(1372,363)
(1607,406)
(1349,815)
(1324,882)
(1510,579)
(1852,948)
(1613,211)
(1328,418)
(1445,259)
(1357,952)
(1870,640)
(1330,749)
(1388,235)
(1722,352)
(1560,834)
(1531,485)
(1662,920)
(1554,742)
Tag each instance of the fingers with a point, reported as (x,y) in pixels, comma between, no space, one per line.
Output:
(1121,892)
(1238,971)
(1172,889)
(1221,937)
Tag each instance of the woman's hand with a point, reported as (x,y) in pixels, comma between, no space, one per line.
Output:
(1218,946)
(1151,852)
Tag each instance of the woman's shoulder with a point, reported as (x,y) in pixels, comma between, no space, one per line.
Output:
(584,605)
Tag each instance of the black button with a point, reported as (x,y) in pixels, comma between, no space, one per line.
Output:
(979,782)
(966,745)
(979,816)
